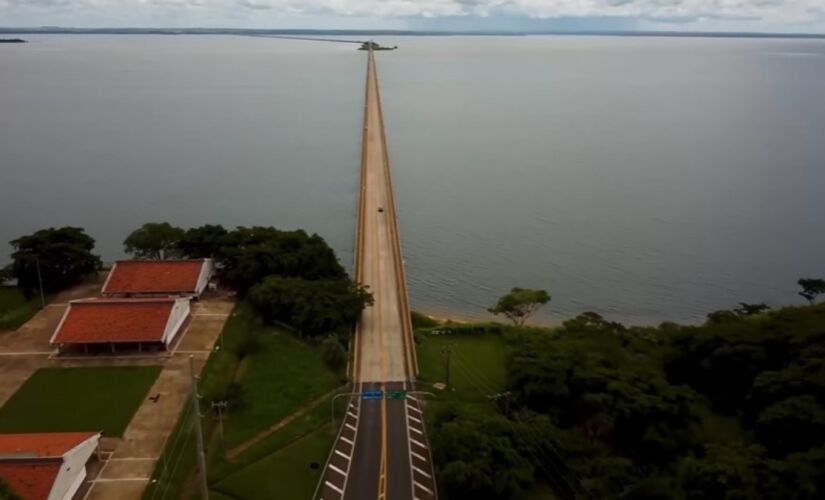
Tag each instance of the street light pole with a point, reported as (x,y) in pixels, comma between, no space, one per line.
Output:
(40,281)
(204,486)
(332,404)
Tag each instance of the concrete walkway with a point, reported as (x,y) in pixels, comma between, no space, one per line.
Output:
(125,475)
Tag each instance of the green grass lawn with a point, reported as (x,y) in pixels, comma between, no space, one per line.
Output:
(284,475)
(286,373)
(15,309)
(78,399)
(282,375)
(476,369)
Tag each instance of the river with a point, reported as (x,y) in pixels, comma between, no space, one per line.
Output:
(647,179)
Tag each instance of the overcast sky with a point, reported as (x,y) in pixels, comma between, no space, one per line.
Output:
(723,15)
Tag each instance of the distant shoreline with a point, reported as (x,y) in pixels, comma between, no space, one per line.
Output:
(57,30)
(12,40)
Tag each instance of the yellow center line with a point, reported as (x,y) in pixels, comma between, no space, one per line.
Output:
(382,476)
(382,479)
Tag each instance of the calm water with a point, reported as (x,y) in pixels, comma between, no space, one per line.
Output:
(646,179)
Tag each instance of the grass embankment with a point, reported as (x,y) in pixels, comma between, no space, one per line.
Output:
(277,373)
(477,358)
(15,310)
(78,399)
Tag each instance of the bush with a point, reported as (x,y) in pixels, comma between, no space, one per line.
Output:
(246,345)
(422,320)
(333,354)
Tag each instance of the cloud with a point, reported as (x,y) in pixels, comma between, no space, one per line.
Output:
(777,12)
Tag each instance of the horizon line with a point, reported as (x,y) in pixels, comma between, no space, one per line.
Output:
(398,32)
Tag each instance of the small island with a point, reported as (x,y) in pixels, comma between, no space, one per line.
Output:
(374,46)
(12,40)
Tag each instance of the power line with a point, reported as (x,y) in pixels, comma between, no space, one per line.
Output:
(536,435)
(169,452)
(177,462)
(519,432)
(529,426)
(198,431)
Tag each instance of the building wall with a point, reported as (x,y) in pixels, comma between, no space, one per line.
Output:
(178,316)
(207,271)
(73,471)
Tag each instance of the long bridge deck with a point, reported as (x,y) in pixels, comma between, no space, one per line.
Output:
(382,451)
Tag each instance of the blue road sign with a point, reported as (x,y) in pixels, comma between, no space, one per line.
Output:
(372,395)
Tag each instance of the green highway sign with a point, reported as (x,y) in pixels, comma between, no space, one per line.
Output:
(396,394)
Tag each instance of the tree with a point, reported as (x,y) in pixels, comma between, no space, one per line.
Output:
(154,240)
(249,255)
(477,457)
(811,288)
(333,354)
(792,425)
(746,309)
(721,316)
(520,304)
(63,256)
(6,493)
(202,242)
(314,307)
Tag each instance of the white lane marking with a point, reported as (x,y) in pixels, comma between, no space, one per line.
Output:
(339,490)
(423,487)
(348,441)
(336,469)
(418,456)
(411,407)
(410,397)
(352,450)
(418,443)
(417,420)
(116,479)
(421,471)
(416,431)
(339,452)
(349,425)
(351,414)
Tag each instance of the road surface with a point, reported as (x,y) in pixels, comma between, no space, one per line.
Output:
(382,451)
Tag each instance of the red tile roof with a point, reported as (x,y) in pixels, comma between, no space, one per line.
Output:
(154,276)
(104,321)
(30,463)
(31,481)
(40,445)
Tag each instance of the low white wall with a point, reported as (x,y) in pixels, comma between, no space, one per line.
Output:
(180,311)
(207,271)
(73,471)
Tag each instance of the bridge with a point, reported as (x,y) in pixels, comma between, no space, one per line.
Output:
(381,451)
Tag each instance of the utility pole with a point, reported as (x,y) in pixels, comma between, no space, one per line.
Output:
(447,351)
(505,396)
(198,432)
(220,407)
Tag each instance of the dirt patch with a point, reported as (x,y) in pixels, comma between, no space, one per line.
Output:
(249,443)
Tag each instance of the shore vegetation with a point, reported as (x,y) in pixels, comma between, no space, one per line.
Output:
(732,408)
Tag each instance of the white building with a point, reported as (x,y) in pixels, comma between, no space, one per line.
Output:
(47,466)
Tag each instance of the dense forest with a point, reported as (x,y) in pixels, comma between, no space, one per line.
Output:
(733,408)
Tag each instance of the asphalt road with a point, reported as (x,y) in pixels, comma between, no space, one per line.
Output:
(382,451)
